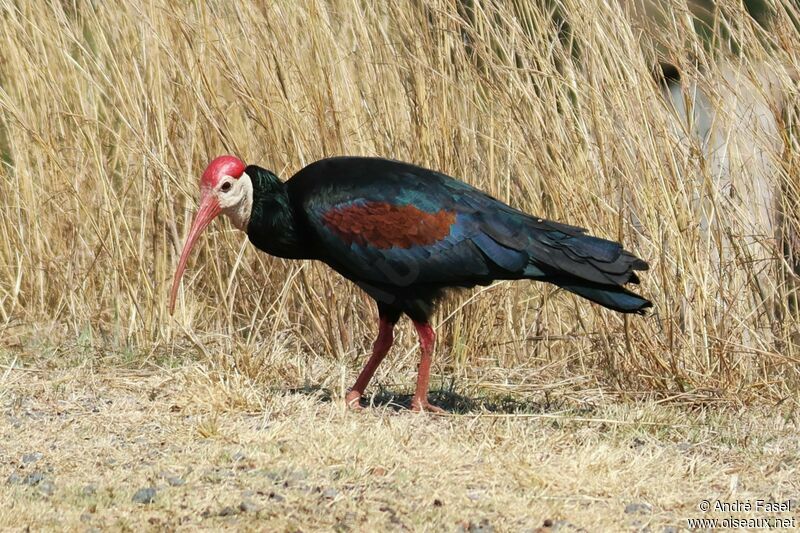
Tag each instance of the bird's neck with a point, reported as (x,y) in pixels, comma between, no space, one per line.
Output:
(273,226)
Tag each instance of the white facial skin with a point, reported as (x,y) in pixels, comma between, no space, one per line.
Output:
(236,199)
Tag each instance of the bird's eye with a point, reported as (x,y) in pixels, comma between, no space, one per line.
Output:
(225,186)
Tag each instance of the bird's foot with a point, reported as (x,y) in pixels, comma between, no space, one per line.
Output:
(353,401)
(419,405)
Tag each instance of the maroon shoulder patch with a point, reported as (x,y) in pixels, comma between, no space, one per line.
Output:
(386,225)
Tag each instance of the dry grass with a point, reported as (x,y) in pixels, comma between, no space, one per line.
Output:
(109,111)
(108,114)
(300,463)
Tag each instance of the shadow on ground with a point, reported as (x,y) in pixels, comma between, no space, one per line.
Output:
(452,401)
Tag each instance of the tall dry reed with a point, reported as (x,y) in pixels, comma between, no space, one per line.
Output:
(109,112)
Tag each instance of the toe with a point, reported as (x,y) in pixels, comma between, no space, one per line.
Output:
(418,405)
(353,401)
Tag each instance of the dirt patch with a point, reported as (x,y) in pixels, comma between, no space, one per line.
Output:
(147,449)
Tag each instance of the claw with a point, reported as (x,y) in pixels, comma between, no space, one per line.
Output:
(418,406)
(353,401)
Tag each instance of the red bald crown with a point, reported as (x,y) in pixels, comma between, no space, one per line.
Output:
(224,165)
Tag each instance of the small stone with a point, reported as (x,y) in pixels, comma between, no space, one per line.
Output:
(482,527)
(563,525)
(638,508)
(227,511)
(29,458)
(47,488)
(238,456)
(145,496)
(475,495)
(89,490)
(330,493)
(246,506)
(33,479)
(272,475)
(286,476)
(274,496)
(471,527)
(175,481)
(637,443)
(669,529)
(219,474)
(13,479)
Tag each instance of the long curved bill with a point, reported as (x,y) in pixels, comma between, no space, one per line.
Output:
(208,211)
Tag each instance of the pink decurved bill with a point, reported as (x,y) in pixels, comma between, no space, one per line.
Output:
(208,211)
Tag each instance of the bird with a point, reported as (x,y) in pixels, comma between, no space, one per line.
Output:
(406,235)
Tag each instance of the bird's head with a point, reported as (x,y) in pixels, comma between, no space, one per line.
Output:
(225,188)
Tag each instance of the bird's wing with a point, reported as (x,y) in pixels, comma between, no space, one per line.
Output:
(412,225)
(379,241)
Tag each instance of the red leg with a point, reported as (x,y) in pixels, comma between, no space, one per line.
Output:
(379,350)
(426,340)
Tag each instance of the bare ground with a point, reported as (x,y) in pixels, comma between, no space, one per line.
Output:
(77,444)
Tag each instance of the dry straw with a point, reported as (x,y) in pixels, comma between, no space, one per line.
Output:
(109,111)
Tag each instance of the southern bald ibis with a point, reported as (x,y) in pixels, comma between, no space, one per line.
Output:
(405,234)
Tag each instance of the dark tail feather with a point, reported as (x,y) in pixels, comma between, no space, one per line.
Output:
(615,298)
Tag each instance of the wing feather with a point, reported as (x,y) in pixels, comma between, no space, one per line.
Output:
(412,225)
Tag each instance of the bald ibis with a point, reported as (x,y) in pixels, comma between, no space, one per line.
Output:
(405,234)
